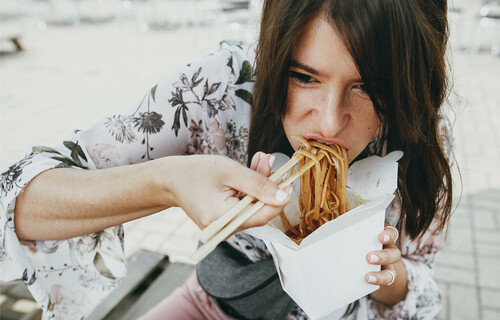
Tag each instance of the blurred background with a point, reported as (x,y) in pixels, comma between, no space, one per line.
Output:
(66,63)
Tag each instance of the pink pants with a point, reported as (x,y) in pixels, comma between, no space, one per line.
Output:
(189,302)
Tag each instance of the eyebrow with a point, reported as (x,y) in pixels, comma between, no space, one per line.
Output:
(311,70)
(295,63)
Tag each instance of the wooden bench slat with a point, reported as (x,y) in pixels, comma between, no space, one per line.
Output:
(172,277)
(141,266)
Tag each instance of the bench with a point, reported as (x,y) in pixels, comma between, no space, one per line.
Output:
(150,278)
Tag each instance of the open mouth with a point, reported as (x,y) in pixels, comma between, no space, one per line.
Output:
(327,141)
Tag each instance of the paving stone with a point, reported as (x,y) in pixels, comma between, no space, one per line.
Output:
(489,275)
(132,243)
(460,239)
(459,309)
(180,248)
(490,298)
(496,216)
(152,242)
(454,275)
(486,200)
(450,259)
(477,181)
(488,237)
(484,219)
(156,224)
(460,220)
(492,193)
(444,287)
(490,314)
(488,249)
(462,211)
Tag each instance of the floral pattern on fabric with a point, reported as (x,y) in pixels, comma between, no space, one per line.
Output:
(203,108)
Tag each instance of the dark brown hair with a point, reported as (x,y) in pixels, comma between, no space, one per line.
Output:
(399,48)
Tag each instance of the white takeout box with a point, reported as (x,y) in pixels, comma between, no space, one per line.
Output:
(327,270)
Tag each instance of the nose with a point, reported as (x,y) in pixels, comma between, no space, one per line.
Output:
(333,113)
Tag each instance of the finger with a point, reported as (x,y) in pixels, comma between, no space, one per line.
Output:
(389,255)
(255,160)
(250,182)
(389,235)
(385,277)
(265,214)
(265,164)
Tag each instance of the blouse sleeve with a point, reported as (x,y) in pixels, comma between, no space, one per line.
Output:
(166,121)
(424,299)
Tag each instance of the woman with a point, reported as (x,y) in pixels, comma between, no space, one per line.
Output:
(368,75)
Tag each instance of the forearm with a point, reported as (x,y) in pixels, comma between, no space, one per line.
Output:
(393,294)
(63,203)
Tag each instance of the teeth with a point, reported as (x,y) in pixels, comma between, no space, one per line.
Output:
(323,142)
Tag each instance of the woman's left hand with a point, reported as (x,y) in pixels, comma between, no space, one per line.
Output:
(388,257)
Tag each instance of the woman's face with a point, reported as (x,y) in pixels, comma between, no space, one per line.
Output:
(326,100)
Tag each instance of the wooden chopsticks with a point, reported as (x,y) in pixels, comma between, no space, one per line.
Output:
(223,227)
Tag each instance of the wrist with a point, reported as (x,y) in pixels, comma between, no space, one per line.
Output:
(162,180)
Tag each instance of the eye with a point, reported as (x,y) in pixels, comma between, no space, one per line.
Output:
(302,78)
(361,88)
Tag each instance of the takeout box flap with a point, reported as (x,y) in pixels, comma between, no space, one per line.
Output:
(289,269)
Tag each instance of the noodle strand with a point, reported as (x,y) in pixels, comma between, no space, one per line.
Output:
(323,188)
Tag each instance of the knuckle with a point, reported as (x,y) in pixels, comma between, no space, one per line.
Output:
(398,254)
(383,254)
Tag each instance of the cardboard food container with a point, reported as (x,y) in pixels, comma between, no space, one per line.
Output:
(327,270)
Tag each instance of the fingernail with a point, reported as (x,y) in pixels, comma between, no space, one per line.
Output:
(372,279)
(271,161)
(386,238)
(290,190)
(373,258)
(280,195)
(261,155)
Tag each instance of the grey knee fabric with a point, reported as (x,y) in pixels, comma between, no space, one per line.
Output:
(243,289)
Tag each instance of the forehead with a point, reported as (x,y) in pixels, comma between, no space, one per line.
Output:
(320,47)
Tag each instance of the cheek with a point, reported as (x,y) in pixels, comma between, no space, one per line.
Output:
(373,124)
(292,101)
(364,115)
(299,102)
(294,118)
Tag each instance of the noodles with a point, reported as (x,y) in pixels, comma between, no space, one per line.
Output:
(322,188)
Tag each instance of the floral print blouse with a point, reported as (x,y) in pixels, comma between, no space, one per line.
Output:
(203,108)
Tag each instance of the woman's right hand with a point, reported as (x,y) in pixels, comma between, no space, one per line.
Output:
(64,203)
(206,187)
